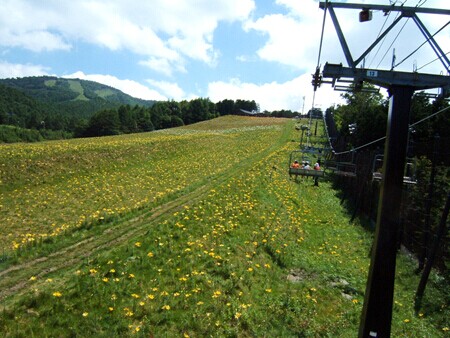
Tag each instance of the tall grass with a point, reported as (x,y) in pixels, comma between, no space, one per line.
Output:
(242,252)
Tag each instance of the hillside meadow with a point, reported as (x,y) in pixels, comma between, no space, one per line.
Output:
(195,231)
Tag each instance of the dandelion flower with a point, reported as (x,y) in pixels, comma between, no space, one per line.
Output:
(57,294)
(85,314)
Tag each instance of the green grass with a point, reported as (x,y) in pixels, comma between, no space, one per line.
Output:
(76,86)
(237,250)
(104,92)
(50,83)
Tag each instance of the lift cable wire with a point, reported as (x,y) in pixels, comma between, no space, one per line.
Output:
(395,39)
(421,4)
(382,138)
(438,58)
(379,33)
(317,71)
(392,43)
(322,34)
(428,117)
(421,45)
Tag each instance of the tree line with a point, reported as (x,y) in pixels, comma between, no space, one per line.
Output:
(46,121)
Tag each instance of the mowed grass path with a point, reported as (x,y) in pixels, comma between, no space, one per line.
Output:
(189,232)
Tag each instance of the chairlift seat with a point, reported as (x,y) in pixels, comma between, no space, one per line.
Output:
(345,169)
(377,176)
(306,172)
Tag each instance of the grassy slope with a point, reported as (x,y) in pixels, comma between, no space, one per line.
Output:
(226,246)
(76,86)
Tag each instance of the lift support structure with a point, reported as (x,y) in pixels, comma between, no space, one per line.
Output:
(376,316)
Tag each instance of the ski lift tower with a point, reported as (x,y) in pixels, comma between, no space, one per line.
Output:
(377,310)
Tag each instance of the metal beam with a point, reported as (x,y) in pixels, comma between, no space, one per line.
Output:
(439,53)
(385,8)
(377,310)
(387,78)
(348,55)
(408,12)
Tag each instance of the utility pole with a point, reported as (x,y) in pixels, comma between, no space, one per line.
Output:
(376,316)
(303,108)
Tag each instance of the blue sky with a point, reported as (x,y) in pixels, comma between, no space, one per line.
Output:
(262,50)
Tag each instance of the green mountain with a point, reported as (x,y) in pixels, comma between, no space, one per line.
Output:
(69,97)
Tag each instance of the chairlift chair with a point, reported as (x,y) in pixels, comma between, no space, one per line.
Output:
(302,157)
(320,151)
(344,169)
(409,176)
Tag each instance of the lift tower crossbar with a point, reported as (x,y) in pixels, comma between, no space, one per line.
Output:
(376,316)
(405,12)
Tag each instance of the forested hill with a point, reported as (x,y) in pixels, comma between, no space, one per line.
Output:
(37,108)
(69,97)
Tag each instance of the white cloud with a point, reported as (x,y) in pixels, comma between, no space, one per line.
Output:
(129,87)
(293,38)
(275,96)
(30,26)
(36,41)
(12,70)
(162,66)
(169,89)
(159,29)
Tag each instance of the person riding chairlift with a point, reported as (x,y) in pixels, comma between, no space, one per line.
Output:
(316,179)
(295,165)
